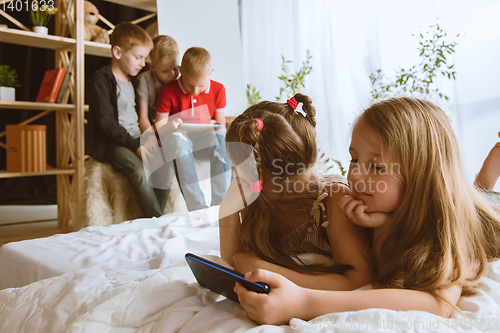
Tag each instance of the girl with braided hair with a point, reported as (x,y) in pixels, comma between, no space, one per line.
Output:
(433,234)
(289,208)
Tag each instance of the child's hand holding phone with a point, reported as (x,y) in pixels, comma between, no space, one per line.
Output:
(221,279)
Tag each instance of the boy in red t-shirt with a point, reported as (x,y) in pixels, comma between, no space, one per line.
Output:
(194,98)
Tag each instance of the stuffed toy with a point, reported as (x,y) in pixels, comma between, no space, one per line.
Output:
(92,31)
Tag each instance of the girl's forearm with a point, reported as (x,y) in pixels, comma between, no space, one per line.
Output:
(320,281)
(322,302)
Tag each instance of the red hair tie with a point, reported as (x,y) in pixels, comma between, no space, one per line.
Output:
(296,106)
(256,187)
(292,102)
(260,122)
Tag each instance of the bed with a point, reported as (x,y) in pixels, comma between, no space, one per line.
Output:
(132,277)
(139,245)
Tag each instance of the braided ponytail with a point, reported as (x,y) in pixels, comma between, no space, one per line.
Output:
(246,131)
(307,107)
(284,145)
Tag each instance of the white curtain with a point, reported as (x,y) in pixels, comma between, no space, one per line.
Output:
(350,39)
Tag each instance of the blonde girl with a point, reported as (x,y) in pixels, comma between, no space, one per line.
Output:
(295,209)
(433,234)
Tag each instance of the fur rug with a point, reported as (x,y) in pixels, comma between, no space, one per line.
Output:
(108,199)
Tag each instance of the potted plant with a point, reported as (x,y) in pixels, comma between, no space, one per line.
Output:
(8,83)
(40,16)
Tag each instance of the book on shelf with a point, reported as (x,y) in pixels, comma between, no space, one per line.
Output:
(51,84)
(64,87)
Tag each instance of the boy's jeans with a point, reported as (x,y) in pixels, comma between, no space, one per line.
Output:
(151,200)
(180,145)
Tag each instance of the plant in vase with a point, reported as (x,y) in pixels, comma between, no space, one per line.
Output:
(8,83)
(40,16)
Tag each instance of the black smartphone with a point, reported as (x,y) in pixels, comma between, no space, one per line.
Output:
(221,279)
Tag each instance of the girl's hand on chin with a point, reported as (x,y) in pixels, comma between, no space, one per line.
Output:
(355,211)
(285,301)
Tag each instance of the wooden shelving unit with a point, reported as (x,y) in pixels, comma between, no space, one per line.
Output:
(148,5)
(57,43)
(29,38)
(97,49)
(49,172)
(23,105)
(69,54)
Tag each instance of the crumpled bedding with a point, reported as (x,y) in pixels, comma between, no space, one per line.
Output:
(127,298)
(139,245)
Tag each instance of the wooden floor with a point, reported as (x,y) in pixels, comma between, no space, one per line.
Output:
(27,222)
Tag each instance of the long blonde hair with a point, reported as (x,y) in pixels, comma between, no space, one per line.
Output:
(443,232)
(287,141)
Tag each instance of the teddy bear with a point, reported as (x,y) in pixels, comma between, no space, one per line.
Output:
(92,31)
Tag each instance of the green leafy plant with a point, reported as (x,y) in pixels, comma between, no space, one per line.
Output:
(419,79)
(40,15)
(8,77)
(293,81)
(341,168)
(253,96)
(329,163)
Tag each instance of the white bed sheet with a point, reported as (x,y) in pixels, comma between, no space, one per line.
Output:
(140,245)
(125,293)
(169,300)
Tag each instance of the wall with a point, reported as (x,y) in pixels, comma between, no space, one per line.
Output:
(213,25)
